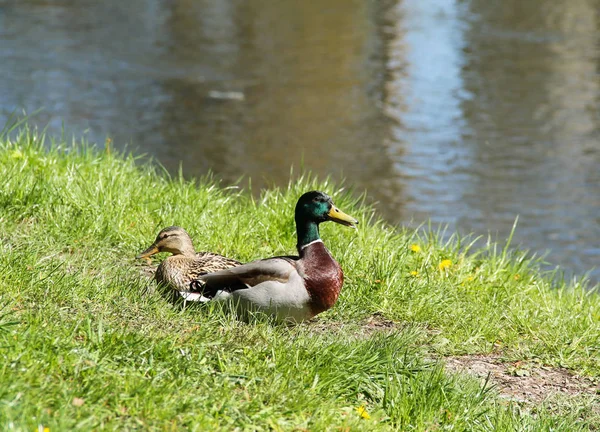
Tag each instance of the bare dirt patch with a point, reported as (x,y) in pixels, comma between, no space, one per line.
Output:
(524,382)
(375,323)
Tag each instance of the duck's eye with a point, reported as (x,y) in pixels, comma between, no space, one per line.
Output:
(164,236)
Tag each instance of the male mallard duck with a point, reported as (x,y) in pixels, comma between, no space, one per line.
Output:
(185,265)
(293,288)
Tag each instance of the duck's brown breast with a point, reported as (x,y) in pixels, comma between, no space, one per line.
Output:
(174,272)
(323,276)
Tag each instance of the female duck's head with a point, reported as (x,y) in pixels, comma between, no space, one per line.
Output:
(313,208)
(172,239)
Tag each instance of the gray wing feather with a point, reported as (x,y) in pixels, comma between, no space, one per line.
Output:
(247,275)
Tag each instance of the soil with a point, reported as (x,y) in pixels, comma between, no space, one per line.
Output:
(524,382)
(375,323)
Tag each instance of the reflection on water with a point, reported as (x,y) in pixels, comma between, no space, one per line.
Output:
(465,112)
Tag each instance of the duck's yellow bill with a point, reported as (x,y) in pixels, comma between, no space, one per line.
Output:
(148,252)
(336,215)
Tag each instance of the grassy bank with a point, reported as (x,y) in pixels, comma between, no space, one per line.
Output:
(84,345)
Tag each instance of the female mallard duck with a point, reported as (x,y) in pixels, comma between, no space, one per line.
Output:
(185,265)
(292,288)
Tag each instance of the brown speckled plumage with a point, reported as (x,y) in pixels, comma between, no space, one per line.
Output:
(178,271)
(185,265)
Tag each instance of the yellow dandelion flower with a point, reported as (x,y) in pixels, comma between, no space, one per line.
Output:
(517,277)
(470,278)
(414,273)
(415,248)
(362,412)
(445,264)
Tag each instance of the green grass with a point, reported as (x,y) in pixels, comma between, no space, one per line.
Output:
(78,326)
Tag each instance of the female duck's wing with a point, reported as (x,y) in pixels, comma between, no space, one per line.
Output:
(208,262)
(203,263)
(245,276)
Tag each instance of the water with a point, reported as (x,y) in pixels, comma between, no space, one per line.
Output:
(467,113)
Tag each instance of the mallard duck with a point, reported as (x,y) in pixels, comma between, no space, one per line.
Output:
(290,288)
(185,265)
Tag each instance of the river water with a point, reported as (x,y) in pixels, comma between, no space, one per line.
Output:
(466,113)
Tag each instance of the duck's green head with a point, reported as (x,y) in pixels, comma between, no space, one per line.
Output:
(315,207)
